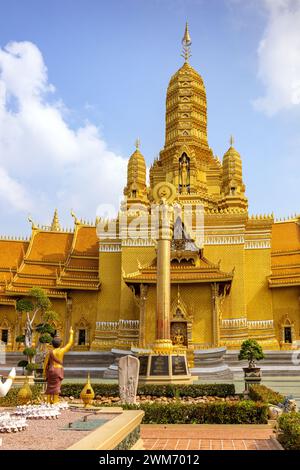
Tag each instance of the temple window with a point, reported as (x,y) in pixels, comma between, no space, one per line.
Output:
(4,336)
(134,193)
(82,334)
(288,334)
(81,337)
(287,327)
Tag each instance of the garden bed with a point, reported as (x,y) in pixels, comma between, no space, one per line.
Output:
(193,391)
(242,412)
(289,431)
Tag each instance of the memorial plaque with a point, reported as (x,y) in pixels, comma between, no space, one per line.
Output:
(159,365)
(179,365)
(143,364)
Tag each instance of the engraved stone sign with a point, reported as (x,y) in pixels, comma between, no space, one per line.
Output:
(159,365)
(143,365)
(179,365)
(128,378)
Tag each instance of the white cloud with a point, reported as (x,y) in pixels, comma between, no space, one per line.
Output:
(279,57)
(44,163)
(13,193)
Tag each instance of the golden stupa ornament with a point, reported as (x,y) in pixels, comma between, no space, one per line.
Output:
(137,143)
(87,394)
(25,393)
(186,42)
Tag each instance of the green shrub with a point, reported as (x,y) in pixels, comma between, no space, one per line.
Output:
(193,391)
(289,431)
(43,328)
(11,398)
(29,352)
(45,338)
(20,339)
(32,366)
(252,351)
(243,412)
(265,394)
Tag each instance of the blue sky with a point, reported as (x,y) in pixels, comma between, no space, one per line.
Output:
(82,79)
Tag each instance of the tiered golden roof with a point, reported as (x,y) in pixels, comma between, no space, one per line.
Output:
(202,271)
(53,259)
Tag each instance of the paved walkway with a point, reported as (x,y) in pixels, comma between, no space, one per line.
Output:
(208,437)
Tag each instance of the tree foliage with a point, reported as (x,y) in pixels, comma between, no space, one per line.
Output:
(36,303)
(251,351)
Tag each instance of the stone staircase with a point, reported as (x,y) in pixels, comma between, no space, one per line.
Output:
(76,364)
(276,363)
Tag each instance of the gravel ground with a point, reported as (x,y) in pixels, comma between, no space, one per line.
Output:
(48,434)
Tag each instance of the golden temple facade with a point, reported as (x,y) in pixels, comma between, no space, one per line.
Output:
(242,281)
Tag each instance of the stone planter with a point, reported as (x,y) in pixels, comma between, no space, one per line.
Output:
(252,376)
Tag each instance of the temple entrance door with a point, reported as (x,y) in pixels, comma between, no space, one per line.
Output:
(4,336)
(179,333)
(81,337)
(287,334)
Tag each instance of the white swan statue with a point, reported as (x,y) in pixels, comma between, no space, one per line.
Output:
(4,387)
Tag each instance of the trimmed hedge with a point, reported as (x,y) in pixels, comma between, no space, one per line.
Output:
(243,412)
(265,395)
(193,391)
(11,398)
(289,431)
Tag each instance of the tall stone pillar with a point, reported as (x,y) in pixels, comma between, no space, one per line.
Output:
(163,287)
(142,305)
(164,363)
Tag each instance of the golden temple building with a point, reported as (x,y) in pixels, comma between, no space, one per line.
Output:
(242,282)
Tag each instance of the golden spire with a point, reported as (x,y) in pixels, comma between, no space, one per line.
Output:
(186,42)
(55,226)
(231,141)
(137,143)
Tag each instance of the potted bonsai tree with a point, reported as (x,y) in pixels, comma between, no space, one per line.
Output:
(251,351)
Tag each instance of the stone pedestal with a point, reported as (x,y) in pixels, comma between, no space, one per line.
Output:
(210,364)
(252,376)
(169,368)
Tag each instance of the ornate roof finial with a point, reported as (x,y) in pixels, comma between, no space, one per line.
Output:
(186,42)
(33,225)
(231,141)
(137,143)
(55,226)
(76,220)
